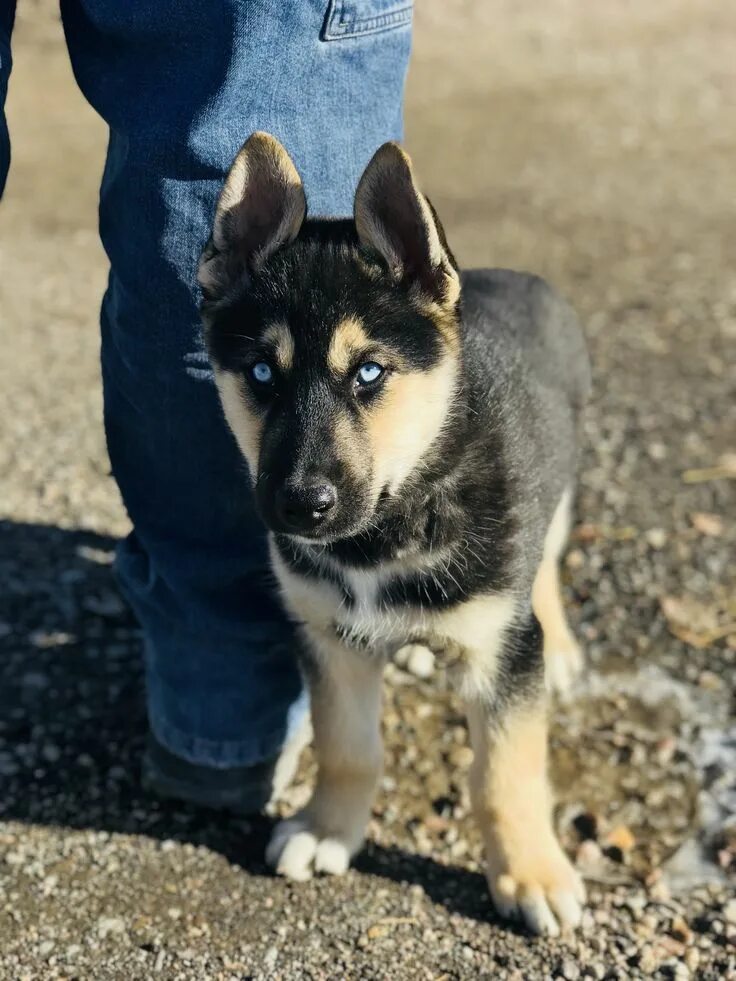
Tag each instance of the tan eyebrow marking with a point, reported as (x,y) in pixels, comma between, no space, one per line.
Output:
(348,340)
(281,340)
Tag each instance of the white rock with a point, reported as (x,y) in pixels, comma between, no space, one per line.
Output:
(107,925)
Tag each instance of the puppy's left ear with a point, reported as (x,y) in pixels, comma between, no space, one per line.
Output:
(395,220)
(260,209)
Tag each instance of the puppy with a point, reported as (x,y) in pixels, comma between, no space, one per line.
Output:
(410,432)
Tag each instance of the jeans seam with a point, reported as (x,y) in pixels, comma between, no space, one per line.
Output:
(336,30)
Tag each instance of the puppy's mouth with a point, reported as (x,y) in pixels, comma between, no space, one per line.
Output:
(332,528)
(331,535)
(338,531)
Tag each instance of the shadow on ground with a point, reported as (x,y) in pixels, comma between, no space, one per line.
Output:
(73,723)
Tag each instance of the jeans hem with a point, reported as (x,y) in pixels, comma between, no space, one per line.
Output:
(216,753)
(222,754)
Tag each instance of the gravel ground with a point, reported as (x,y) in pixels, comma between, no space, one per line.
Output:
(592,144)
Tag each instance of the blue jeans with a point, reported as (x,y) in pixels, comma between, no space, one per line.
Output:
(181,84)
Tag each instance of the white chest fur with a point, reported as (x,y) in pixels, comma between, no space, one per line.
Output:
(361,618)
(368,620)
(476,627)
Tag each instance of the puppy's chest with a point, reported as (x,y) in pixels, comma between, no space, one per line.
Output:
(366,608)
(369,614)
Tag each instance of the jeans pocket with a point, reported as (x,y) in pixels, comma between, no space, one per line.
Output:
(355,18)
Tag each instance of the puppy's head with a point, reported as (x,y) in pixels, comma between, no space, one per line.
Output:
(335,344)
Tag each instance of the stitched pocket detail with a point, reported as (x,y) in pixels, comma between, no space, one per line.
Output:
(355,18)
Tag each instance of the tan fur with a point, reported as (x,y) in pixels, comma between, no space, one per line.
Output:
(281,340)
(526,868)
(468,636)
(549,610)
(562,655)
(477,630)
(349,441)
(443,315)
(399,434)
(407,420)
(245,425)
(348,340)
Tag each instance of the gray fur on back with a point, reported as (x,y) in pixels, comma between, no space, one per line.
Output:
(528,370)
(521,312)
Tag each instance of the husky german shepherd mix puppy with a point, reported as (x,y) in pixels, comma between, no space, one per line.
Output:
(410,432)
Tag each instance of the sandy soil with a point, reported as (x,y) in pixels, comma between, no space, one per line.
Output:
(593,144)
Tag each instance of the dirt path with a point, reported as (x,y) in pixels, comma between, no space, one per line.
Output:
(593,144)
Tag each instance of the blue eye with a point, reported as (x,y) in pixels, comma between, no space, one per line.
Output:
(368,373)
(262,373)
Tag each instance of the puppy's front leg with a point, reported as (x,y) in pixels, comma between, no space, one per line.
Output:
(528,873)
(345,692)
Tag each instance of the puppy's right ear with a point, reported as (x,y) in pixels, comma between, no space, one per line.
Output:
(261,208)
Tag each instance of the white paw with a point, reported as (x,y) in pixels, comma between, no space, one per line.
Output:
(546,899)
(416,659)
(563,664)
(296,851)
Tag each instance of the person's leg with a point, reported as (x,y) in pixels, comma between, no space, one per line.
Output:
(182,84)
(7,16)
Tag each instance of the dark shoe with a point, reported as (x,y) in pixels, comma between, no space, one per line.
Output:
(240,789)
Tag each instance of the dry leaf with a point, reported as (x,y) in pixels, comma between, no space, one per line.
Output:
(707,524)
(435,822)
(725,469)
(588,533)
(669,947)
(695,623)
(622,838)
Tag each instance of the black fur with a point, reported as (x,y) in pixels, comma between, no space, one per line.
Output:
(484,495)
(322,278)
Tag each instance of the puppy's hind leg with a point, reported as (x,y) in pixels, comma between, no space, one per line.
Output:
(345,692)
(563,658)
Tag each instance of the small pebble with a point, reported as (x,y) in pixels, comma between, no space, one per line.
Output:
(108,925)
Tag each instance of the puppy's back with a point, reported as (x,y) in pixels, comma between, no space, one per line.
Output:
(517,318)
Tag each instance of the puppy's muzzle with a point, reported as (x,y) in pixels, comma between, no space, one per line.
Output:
(303,508)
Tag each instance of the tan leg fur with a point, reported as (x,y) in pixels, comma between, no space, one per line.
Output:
(563,659)
(529,875)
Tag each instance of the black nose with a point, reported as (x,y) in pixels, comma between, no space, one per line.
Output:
(303,507)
